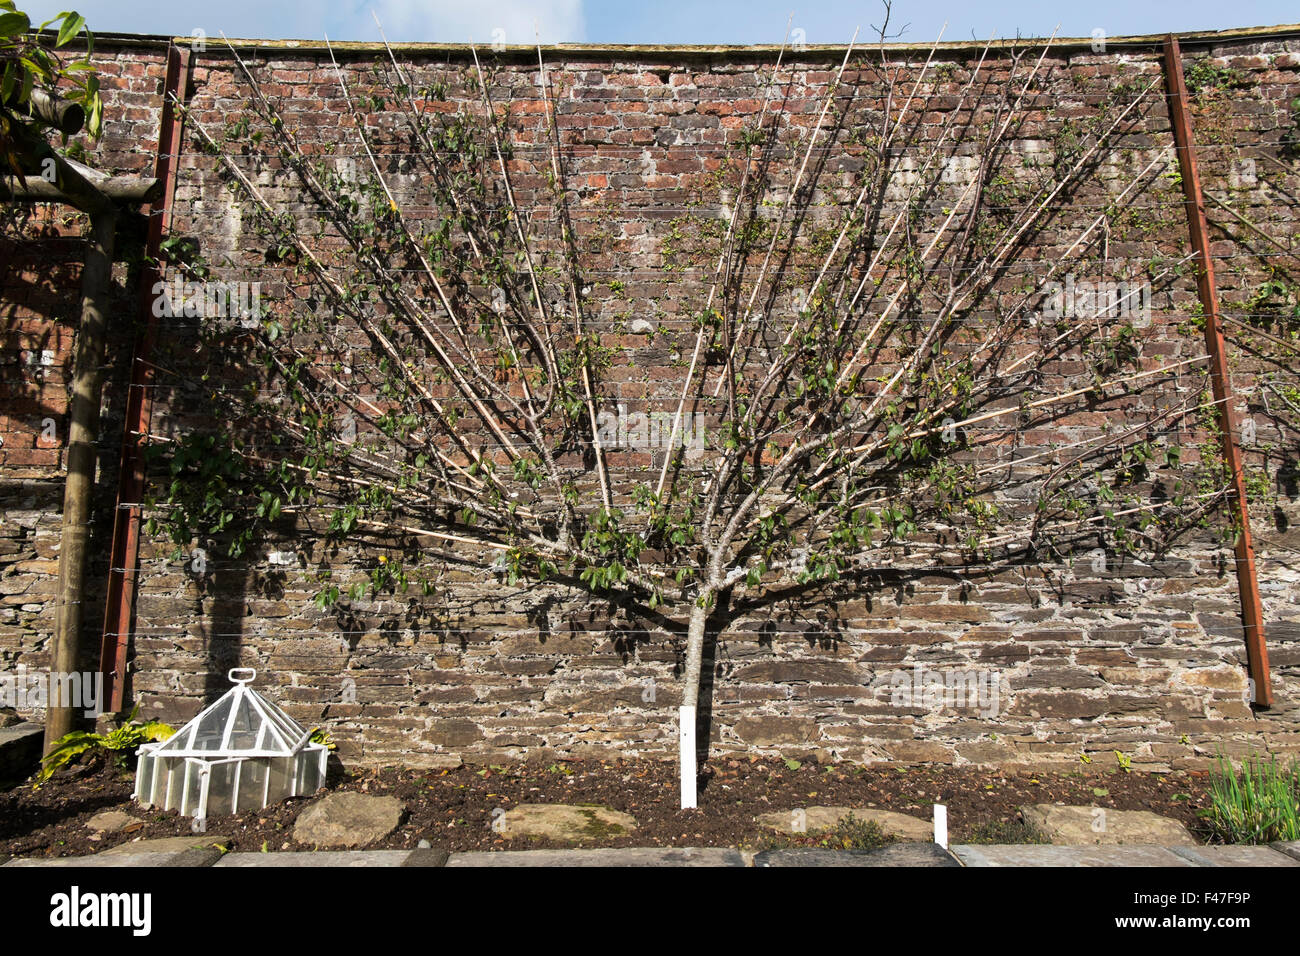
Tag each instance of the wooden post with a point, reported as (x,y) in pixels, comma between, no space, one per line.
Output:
(54,112)
(1247,582)
(79,488)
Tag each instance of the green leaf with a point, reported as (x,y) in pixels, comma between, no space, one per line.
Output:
(72,24)
(95,122)
(14,24)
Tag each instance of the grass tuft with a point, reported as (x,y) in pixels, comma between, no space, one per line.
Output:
(1258,803)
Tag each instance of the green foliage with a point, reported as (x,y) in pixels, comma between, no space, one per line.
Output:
(29,64)
(118,744)
(1258,803)
(1205,77)
(619,548)
(1290,138)
(209,482)
(854,834)
(1116,350)
(1275,305)
(850,833)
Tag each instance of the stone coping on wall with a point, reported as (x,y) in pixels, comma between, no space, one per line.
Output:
(705,51)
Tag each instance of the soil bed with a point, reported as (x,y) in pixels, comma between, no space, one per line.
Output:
(454,809)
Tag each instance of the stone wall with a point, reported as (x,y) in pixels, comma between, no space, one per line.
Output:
(1144,659)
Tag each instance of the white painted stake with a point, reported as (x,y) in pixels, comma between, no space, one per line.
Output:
(686,726)
(941,825)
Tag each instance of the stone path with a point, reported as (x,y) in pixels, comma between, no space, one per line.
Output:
(173,852)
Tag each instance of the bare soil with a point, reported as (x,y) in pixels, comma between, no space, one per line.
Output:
(454,809)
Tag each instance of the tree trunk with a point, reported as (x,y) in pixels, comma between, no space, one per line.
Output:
(690,702)
(79,487)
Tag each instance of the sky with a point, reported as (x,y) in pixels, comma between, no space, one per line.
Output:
(657,21)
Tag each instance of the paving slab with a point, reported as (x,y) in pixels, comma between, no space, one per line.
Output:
(1039,855)
(632,856)
(319,858)
(1234,856)
(191,857)
(899,854)
(1291,849)
(427,856)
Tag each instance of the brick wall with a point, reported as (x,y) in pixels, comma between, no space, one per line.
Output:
(1141,658)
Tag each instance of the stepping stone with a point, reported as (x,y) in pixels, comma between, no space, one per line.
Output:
(817,819)
(566,824)
(110,821)
(1091,826)
(899,854)
(348,819)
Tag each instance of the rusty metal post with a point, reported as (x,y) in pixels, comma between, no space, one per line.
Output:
(1247,580)
(119,611)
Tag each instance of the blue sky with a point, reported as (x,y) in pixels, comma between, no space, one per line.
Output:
(655,21)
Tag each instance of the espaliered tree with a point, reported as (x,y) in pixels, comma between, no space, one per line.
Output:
(864,342)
